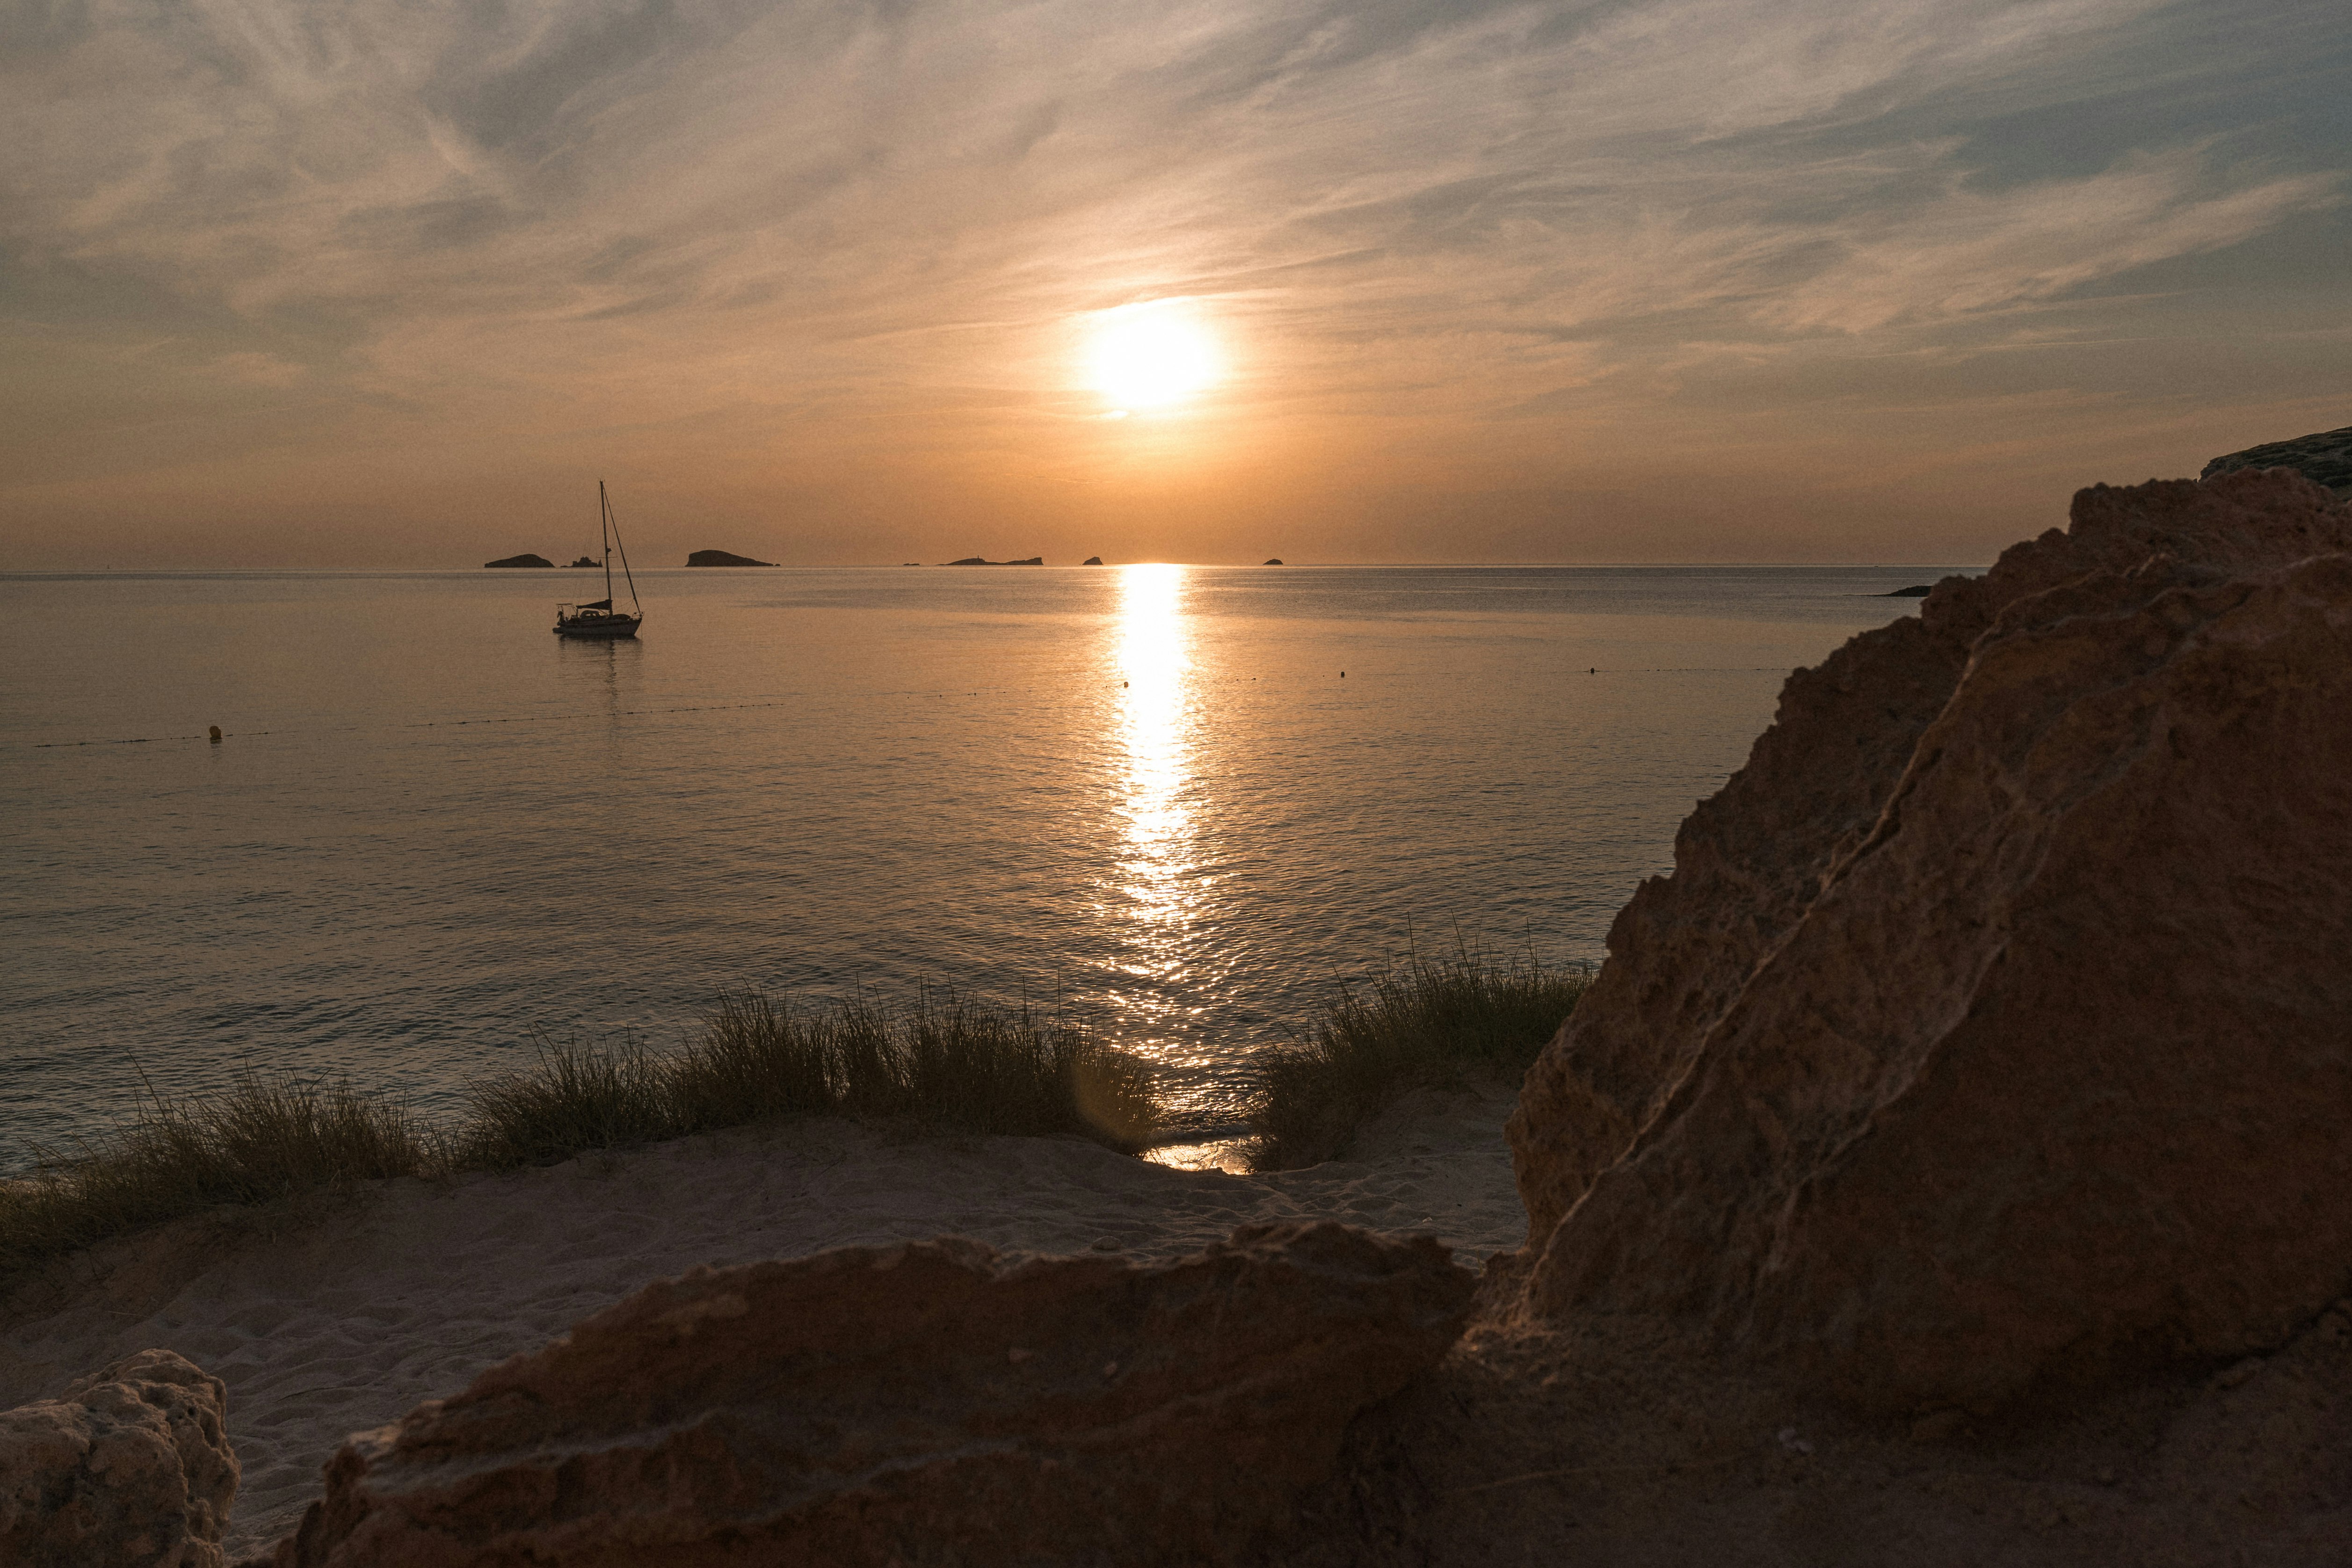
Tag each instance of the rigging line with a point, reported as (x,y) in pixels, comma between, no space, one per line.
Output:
(625,555)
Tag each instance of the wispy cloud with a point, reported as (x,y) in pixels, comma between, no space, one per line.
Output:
(670,209)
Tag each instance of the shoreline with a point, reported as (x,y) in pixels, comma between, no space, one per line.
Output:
(329,1316)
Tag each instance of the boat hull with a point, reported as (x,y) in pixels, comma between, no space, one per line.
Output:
(601,627)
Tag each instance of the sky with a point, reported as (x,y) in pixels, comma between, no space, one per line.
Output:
(392,283)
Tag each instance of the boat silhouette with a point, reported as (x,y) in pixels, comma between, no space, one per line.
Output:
(598,618)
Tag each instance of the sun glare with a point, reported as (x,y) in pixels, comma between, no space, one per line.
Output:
(1161,875)
(1150,356)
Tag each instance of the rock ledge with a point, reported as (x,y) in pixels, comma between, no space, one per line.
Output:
(926,1403)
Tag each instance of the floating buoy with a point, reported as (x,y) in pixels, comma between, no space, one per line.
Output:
(1343,675)
(216,734)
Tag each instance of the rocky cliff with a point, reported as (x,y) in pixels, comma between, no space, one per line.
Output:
(1994,1026)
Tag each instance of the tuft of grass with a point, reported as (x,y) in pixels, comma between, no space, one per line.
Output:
(945,1064)
(264,1138)
(983,1070)
(572,1099)
(1422,1023)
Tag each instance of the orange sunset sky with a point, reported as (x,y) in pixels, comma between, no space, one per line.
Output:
(388,284)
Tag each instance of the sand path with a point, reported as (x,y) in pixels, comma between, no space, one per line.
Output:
(345,1317)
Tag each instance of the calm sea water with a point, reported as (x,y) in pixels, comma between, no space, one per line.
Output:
(1147,794)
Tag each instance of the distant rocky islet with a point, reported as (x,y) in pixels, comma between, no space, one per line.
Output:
(699,558)
(729,558)
(2324,457)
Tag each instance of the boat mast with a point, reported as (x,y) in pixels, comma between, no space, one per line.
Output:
(605,523)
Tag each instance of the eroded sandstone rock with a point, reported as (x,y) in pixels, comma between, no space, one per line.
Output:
(130,1467)
(932,1403)
(1995,1022)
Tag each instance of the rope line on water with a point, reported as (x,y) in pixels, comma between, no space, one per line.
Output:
(147,740)
(435,723)
(746,707)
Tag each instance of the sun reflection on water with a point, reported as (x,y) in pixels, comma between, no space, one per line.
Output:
(1154,656)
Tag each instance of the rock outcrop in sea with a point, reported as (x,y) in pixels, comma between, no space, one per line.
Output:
(928,1402)
(1994,1029)
(983,561)
(2324,458)
(525,559)
(722,558)
(130,1467)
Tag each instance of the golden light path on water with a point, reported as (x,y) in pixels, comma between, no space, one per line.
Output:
(1157,889)
(1161,897)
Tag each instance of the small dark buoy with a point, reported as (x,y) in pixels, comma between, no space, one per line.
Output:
(1343,675)
(1593,671)
(216,734)
(1122,684)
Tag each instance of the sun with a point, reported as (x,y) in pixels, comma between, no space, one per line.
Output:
(1150,355)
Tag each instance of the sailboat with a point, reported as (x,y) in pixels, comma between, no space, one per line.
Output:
(600,619)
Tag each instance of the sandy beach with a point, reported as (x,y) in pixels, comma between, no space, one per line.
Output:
(341,1316)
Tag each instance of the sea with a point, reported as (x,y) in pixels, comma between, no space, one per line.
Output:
(1184,803)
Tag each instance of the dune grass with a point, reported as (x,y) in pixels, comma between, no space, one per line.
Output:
(943,1064)
(262,1140)
(1426,1022)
